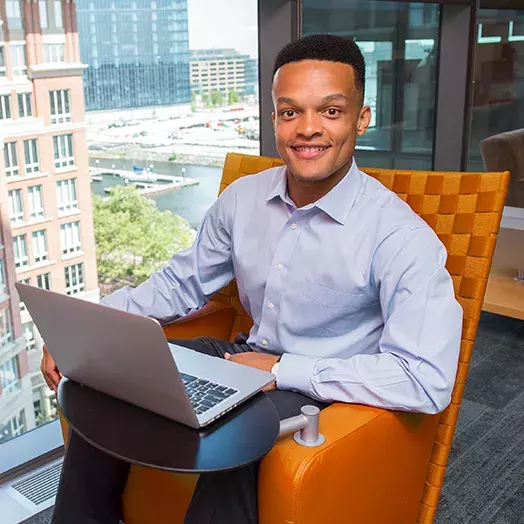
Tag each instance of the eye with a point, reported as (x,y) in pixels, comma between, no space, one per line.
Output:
(288,113)
(333,111)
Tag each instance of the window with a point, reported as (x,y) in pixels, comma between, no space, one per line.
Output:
(2,62)
(74,277)
(40,246)
(9,376)
(26,281)
(66,196)
(10,159)
(20,251)
(42,9)
(24,105)
(63,151)
(58,13)
(401,54)
(54,53)
(59,102)
(15,427)
(2,277)
(16,208)
(36,203)
(6,334)
(18,63)
(29,334)
(70,238)
(5,107)
(13,14)
(44,281)
(31,156)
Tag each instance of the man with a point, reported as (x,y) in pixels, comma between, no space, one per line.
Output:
(345,284)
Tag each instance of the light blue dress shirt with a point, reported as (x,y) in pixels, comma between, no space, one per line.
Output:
(352,290)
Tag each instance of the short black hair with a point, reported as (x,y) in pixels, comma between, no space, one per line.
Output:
(326,47)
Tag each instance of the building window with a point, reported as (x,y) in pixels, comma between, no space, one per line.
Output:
(16,208)
(70,238)
(9,377)
(6,334)
(29,334)
(59,101)
(40,246)
(11,159)
(44,281)
(24,105)
(2,62)
(27,282)
(42,9)
(54,53)
(67,196)
(74,277)
(31,156)
(13,14)
(63,151)
(36,202)
(18,63)
(58,13)
(5,107)
(2,277)
(20,251)
(17,425)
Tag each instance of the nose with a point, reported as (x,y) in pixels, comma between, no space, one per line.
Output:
(309,125)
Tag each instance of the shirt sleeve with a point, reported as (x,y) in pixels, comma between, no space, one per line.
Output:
(415,366)
(192,276)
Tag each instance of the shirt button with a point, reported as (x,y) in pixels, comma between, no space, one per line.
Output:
(293,226)
(270,306)
(279,266)
(264,342)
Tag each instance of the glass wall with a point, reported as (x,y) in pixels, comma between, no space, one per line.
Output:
(497,126)
(399,41)
(151,97)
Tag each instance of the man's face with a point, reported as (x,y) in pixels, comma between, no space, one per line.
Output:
(318,115)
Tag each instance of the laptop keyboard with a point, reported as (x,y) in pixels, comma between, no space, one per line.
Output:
(205,394)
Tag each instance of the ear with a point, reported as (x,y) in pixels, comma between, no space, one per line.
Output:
(364,118)
(273,119)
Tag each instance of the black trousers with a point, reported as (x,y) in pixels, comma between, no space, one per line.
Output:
(92,481)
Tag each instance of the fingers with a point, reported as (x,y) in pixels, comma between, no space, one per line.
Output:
(227,356)
(49,370)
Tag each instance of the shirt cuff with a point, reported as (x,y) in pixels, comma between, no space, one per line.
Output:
(294,373)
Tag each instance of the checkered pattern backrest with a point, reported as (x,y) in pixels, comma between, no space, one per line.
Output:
(464,209)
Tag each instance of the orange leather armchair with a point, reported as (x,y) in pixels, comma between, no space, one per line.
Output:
(376,466)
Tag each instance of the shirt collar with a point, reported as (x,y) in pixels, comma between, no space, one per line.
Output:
(337,203)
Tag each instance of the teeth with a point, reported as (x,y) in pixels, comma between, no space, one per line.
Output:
(310,149)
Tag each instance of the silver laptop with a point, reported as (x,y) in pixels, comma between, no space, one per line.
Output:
(127,356)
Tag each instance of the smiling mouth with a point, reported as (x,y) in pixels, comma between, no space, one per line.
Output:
(309,152)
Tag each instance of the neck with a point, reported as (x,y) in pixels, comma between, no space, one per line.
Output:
(303,192)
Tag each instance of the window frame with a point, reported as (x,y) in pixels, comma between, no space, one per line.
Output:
(63,143)
(11,164)
(74,272)
(60,99)
(25,105)
(6,112)
(39,245)
(70,238)
(35,213)
(16,212)
(22,261)
(31,153)
(68,188)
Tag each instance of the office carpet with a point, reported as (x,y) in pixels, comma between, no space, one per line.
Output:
(484,481)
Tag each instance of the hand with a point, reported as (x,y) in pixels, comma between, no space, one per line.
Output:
(48,367)
(263,361)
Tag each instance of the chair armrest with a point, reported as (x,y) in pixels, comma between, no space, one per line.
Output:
(215,320)
(372,468)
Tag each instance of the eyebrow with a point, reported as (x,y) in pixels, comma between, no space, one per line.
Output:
(328,98)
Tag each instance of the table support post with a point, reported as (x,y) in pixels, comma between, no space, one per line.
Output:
(305,427)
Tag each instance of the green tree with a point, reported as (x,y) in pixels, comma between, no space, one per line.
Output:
(217,98)
(205,99)
(172,157)
(232,97)
(133,238)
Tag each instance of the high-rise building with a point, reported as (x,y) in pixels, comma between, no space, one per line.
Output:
(223,70)
(137,52)
(45,194)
